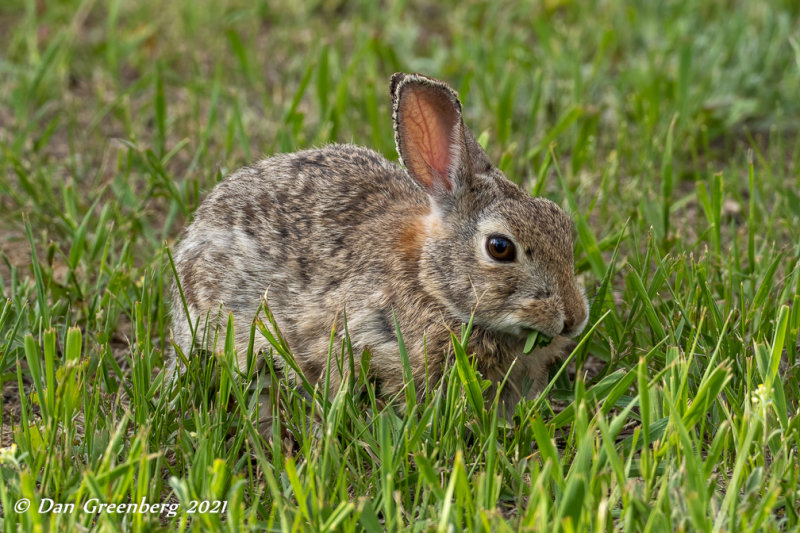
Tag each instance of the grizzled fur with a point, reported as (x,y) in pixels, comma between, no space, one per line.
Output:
(342,229)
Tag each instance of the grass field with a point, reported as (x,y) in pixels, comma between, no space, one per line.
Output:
(668,130)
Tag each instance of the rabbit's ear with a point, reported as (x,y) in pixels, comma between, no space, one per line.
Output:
(429,132)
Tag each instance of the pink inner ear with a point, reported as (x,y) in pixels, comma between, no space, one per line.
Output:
(427,124)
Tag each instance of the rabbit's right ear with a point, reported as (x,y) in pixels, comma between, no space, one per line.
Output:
(429,133)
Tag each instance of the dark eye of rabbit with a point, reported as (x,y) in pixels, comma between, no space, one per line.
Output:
(500,248)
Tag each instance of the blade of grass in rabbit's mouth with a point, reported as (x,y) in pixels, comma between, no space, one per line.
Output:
(536,339)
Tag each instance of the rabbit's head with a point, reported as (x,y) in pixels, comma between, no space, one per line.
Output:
(485,245)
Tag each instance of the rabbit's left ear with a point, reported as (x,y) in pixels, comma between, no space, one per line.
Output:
(429,133)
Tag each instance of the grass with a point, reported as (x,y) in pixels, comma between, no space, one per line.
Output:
(668,130)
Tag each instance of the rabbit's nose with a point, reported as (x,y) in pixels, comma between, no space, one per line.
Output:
(569,324)
(574,322)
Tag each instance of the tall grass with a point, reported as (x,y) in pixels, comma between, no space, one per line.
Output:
(668,130)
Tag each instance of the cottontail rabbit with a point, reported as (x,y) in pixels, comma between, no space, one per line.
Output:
(341,229)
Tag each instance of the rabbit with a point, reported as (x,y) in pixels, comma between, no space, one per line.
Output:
(340,229)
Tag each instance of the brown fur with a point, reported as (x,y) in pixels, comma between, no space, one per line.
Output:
(410,238)
(341,229)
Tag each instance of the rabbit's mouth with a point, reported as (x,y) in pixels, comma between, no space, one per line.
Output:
(535,339)
(521,329)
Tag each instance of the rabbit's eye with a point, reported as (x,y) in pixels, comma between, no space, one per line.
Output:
(500,248)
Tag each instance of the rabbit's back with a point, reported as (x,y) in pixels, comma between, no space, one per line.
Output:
(297,225)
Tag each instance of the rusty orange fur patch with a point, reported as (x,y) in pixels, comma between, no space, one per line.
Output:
(411,236)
